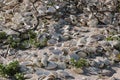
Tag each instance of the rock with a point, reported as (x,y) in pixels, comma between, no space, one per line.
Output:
(57,51)
(117,45)
(26,63)
(102,62)
(66,36)
(90,51)
(93,71)
(44,59)
(51,10)
(17,18)
(41,72)
(61,65)
(66,44)
(92,23)
(81,54)
(11,52)
(3,60)
(82,41)
(51,42)
(77,70)
(51,66)
(98,37)
(62,74)
(107,72)
(65,51)
(37,62)
(74,56)
(23,68)
(28,76)
(53,57)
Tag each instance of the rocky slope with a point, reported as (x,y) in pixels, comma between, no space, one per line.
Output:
(61,40)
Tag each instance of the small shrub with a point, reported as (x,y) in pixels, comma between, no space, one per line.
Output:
(11,70)
(19,76)
(111,38)
(14,42)
(3,35)
(80,63)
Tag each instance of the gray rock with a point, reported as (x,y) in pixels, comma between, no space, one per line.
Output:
(102,62)
(23,68)
(57,51)
(74,56)
(53,57)
(51,10)
(98,37)
(61,65)
(81,54)
(93,70)
(51,42)
(41,72)
(51,66)
(117,45)
(106,72)
(62,73)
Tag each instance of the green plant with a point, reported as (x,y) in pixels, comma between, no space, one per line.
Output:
(19,76)
(11,70)
(24,44)
(32,34)
(14,42)
(111,38)
(80,63)
(3,35)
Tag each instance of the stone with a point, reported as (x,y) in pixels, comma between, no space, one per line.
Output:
(117,45)
(23,68)
(51,42)
(92,23)
(82,41)
(62,73)
(106,72)
(93,71)
(74,56)
(44,59)
(26,63)
(57,51)
(98,37)
(77,70)
(61,65)
(51,66)
(28,76)
(51,10)
(41,72)
(53,57)
(102,62)
(81,54)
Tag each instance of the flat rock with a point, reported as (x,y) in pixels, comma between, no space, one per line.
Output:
(51,66)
